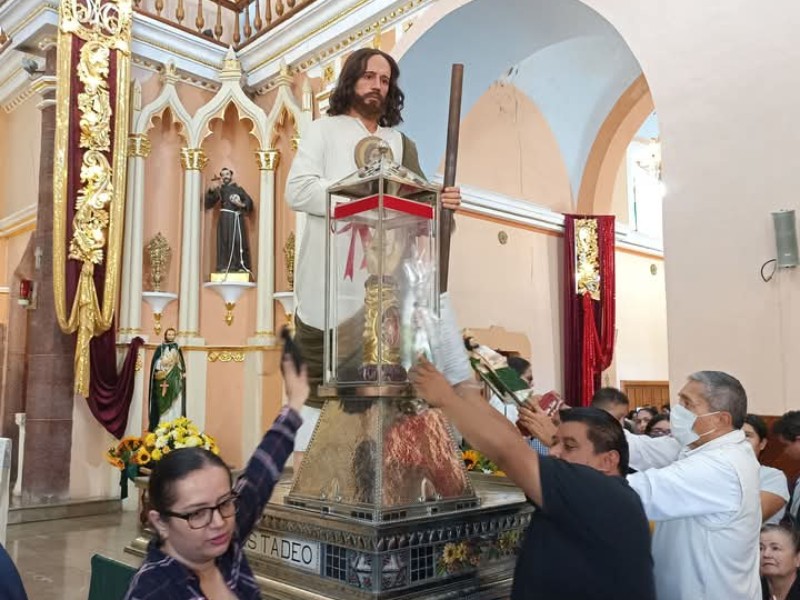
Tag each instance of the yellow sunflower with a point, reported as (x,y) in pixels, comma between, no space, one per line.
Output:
(470,458)
(450,554)
(142,456)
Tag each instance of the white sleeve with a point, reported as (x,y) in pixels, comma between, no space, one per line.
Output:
(691,487)
(774,481)
(651,453)
(306,187)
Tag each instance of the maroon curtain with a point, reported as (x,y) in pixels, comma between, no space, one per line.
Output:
(110,392)
(588,333)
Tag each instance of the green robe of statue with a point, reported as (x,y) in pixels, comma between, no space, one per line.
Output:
(167,385)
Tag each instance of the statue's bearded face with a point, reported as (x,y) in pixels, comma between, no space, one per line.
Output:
(169,335)
(227,176)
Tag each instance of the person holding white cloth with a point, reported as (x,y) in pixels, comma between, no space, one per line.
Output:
(701,487)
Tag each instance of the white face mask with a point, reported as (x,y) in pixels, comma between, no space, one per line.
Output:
(681,421)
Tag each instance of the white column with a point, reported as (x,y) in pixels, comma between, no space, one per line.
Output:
(193,161)
(19,419)
(127,251)
(197,253)
(267,163)
(137,236)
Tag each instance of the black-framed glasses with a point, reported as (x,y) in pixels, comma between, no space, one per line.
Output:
(197,519)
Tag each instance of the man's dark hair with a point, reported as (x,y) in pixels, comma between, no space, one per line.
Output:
(341,100)
(603,430)
(758,425)
(788,426)
(609,396)
(172,468)
(723,393)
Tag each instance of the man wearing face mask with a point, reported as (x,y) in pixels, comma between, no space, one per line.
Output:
(701,487)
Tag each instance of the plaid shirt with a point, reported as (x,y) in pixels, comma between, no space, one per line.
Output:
(164,578)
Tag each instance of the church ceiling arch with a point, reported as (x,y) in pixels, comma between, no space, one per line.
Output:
(567,58)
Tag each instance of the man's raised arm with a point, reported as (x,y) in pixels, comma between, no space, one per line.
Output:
(485,428)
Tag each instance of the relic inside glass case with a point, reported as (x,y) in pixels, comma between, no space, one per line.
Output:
(381,259)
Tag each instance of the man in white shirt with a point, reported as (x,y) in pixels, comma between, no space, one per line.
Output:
(701,487)
(366,102)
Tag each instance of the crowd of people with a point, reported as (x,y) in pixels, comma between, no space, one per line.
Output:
(695,470)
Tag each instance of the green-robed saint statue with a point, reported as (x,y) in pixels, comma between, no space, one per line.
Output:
(167,382)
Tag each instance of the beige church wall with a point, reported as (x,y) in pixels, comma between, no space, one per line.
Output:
(620,206)
(641,320)
(728,133)
(5,152)
(514,286)
(517,286)
(22,141)
(193,97)
(224,402)
(163,211)
(507,146)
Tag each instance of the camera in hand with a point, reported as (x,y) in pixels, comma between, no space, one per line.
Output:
(291,349)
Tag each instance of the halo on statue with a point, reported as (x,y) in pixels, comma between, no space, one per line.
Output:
(370,150)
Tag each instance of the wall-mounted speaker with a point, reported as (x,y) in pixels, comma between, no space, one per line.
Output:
(786,238)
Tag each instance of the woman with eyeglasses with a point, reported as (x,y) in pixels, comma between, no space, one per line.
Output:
(201,521)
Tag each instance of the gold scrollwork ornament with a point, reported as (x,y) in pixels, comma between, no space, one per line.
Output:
(587,261)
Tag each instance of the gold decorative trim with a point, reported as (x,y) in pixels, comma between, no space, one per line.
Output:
(587,258)
(193,159)
(342,43)
(139,145)
(100,204)
(225,356)
(268,160)
(289,257)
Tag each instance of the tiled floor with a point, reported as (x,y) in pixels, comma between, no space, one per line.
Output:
(53,556)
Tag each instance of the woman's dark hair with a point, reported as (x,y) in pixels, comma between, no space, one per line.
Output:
(519,364)
(341,100)
(793,533)
(657,419)
(758,425)
(172,468)
(603,430)
(788,426)
(652,410)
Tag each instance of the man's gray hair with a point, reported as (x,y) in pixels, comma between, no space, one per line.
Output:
(723,393)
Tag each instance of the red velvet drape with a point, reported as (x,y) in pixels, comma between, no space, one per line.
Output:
(110,393)
(589,325)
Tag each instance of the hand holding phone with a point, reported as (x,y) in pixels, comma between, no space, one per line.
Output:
(290,349)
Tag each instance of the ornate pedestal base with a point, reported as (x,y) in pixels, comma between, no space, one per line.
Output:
(298,555)
(465,555)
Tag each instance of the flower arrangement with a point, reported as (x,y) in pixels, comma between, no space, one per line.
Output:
(171,435)
(459,556)
(133,453)
(475,461)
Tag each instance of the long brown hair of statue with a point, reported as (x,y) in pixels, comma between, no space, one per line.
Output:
(342,98)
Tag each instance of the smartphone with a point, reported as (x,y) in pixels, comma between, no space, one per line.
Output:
(290,349)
